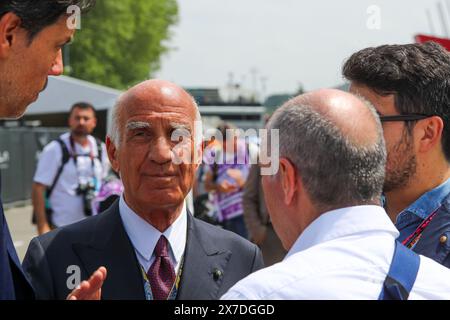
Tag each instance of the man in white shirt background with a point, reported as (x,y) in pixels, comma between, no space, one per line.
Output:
(71,170)
(324,203)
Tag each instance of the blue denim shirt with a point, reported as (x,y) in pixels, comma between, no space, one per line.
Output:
(410,218)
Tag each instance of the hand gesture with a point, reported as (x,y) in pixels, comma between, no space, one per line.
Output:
(90,289)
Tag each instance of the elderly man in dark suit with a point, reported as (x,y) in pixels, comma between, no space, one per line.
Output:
(149,243)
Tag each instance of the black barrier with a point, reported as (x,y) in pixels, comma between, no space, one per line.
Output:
(19,151)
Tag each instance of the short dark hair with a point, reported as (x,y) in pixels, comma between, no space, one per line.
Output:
(335,171)
(417,74)
(39,14)
(83,106)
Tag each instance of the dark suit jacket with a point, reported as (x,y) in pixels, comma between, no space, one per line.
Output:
(13,283)
(103,241)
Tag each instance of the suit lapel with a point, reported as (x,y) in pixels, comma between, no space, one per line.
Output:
(204,265)
(204,262)
(110,247)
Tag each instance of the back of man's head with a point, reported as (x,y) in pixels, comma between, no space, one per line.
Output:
(335,141)
(36,15)
(417,74)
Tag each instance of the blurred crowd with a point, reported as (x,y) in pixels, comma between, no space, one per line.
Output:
(227,191)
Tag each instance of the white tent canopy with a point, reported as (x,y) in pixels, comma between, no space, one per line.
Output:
(62,92)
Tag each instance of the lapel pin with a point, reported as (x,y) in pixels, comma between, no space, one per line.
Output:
(217,274)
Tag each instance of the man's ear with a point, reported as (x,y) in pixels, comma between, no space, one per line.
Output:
(289,183)
(112,154)
(429,133)
(9,31)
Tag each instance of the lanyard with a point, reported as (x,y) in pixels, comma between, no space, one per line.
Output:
(413,238)
(173,292)
(75,155)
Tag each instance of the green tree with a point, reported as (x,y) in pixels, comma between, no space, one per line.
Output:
(121,41)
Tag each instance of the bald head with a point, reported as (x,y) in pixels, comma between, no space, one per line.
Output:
(152,145)
(157,92)
(355,118)
(152,95)
(335,141)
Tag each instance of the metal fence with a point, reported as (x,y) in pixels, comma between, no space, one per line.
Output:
(19,152)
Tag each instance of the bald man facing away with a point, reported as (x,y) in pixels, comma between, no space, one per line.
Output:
(149,243)
(324,203)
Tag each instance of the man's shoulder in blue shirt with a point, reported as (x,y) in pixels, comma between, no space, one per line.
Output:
(432,207)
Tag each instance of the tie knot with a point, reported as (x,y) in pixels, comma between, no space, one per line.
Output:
(162,247)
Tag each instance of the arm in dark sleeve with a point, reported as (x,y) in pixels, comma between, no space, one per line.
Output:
(35,266)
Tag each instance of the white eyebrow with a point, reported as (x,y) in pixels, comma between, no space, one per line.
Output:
(133,125)
(180,126)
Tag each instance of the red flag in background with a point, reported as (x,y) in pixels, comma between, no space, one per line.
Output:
(420,38)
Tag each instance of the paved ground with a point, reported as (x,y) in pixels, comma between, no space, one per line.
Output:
(22,231)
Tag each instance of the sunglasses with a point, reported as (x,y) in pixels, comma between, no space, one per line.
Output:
(404,117)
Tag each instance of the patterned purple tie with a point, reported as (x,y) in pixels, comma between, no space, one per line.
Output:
(161,273)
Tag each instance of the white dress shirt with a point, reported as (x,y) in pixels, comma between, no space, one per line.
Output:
(344,254)
(144,236)
(67,206)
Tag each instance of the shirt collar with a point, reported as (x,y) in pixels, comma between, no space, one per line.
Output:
(428,203)
(144,236)
(342,223)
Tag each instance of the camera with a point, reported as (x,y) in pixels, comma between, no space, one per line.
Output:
(87,191)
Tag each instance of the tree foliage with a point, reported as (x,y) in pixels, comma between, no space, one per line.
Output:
(121,42)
